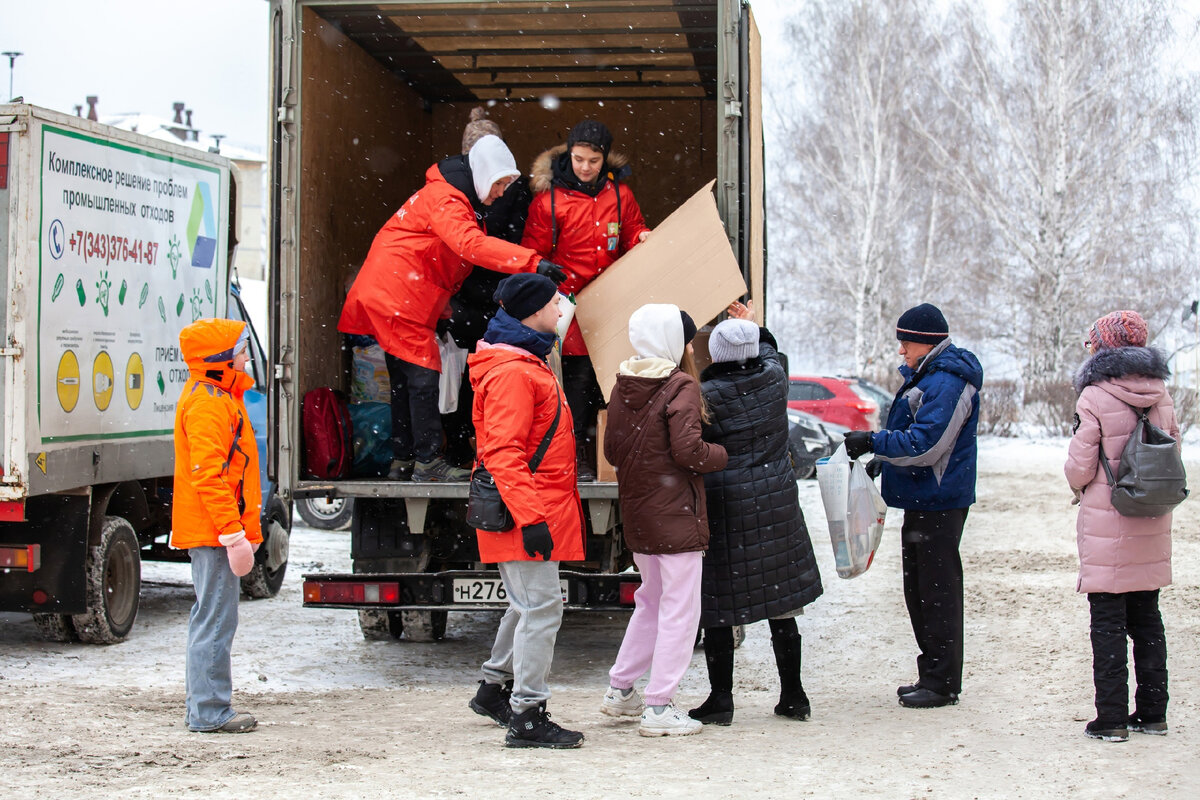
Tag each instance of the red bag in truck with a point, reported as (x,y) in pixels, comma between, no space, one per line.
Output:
(328,434)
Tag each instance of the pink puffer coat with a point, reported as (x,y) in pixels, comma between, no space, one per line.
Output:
(1117,553)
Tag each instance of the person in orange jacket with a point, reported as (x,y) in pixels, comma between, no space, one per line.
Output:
(417,261)
(215,511)
(517,403)
(583,217)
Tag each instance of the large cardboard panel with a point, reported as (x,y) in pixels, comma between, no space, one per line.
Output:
(687,261)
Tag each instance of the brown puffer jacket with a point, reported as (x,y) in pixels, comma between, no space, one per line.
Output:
(654,441)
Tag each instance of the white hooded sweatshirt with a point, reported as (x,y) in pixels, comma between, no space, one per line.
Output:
(490,161)
(656,333)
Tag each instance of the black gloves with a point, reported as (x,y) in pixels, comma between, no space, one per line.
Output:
(874,467)
(537,539)
(858,443)
(551,270)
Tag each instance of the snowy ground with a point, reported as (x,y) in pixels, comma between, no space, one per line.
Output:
(343,717)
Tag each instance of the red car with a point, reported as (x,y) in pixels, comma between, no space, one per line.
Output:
(836,400)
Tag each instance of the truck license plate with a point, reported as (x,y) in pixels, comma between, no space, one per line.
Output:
(487,590)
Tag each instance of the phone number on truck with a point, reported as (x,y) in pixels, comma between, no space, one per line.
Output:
(110,247)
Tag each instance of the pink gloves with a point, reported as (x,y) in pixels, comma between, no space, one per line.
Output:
(239,551)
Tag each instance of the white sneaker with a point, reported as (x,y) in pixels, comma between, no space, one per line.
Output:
(671,722)
(616,704)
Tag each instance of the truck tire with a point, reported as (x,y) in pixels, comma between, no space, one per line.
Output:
(114,583)
(424,626)
(380,626)
(55,627)
(266,577)
(333,514)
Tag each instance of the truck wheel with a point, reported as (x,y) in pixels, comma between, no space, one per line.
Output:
(55,627)
(424,626)
(114,582)
(380,626)
(332,514)
(265,579)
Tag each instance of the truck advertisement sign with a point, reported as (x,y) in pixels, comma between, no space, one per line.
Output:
(133,247)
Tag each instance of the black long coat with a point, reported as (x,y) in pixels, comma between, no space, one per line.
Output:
(760,561)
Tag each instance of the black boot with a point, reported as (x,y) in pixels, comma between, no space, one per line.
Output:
(793,702)
(584,465)
(492,701)
(533,728)
(718,655)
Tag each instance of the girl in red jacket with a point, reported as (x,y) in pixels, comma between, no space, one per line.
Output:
(654,441)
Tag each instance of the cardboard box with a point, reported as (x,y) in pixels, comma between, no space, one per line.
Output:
(686,260)
(605,472)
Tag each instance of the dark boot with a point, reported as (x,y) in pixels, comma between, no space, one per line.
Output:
(584,466)
(718,655)
(492,701)
(533,728)
(793,702)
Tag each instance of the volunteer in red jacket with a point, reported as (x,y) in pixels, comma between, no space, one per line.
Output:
(583,217)
(417,261)
(215,514)
(517,400)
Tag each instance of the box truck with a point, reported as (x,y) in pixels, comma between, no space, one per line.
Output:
(365,96)
(110,242)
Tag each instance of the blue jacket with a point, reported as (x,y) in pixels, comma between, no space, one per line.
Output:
(928,447)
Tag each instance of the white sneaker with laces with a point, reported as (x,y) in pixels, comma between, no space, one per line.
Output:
(620,705)
(670,722)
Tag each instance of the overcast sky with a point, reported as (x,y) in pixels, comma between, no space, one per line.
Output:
(144,55)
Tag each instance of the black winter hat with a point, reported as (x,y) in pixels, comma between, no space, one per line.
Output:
(591,132)
(924,324)
(524,294)
(689,327)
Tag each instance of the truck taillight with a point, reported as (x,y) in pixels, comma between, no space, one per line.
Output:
(627,592)
(25,557)
(355,592)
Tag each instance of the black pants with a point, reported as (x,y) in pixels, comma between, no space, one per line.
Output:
(933,592)
(460,427)
(1115,619)
(583,397)
(416,423)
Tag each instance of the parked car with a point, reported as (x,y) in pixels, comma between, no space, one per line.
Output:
(881,396)
(808,440)
(326,513)
(838,400)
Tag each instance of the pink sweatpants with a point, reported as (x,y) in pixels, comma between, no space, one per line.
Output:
(662,631)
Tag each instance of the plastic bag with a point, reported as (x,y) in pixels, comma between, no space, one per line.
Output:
(854,510)
(454,362)
(370,382)
(566,304)
(372,425)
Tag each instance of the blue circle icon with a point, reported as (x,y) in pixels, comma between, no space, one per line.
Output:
(57,239)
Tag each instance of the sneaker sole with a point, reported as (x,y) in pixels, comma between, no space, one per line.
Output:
(652,732)
(483,712)
(615,711)
(509,742)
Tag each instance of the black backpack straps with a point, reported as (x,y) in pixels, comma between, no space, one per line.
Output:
(540,453)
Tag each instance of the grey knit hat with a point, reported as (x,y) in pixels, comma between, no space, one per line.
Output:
(733,340)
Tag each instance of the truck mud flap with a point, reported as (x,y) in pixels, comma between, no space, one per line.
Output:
(460,590)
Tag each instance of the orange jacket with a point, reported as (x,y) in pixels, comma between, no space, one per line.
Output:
(582,234)
(516,396)
(217,490)
(420,258)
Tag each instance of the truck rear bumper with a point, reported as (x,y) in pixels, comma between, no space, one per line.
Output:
(460,590)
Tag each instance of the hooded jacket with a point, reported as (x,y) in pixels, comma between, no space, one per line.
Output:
(516,397)
(420,258)
(928,448)
(760,561)
(217,489)
(654,441)
(1117,553)
(581,232)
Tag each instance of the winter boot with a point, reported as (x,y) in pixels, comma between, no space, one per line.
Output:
(533,728)
(718,656)
(793,702)
(492,701)
(584,465)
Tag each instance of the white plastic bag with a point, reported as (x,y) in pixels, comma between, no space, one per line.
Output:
(454,361)
(566,304)
(855,511)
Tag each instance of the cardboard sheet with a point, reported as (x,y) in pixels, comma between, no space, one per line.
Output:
(686,260)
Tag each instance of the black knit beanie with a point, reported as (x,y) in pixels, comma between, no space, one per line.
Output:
(924,324)
(591,132)
(689,327)
(524,294)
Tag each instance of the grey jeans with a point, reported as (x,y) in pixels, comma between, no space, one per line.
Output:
(211,627)
(524,647)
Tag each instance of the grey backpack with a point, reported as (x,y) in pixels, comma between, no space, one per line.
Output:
(1150,479)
